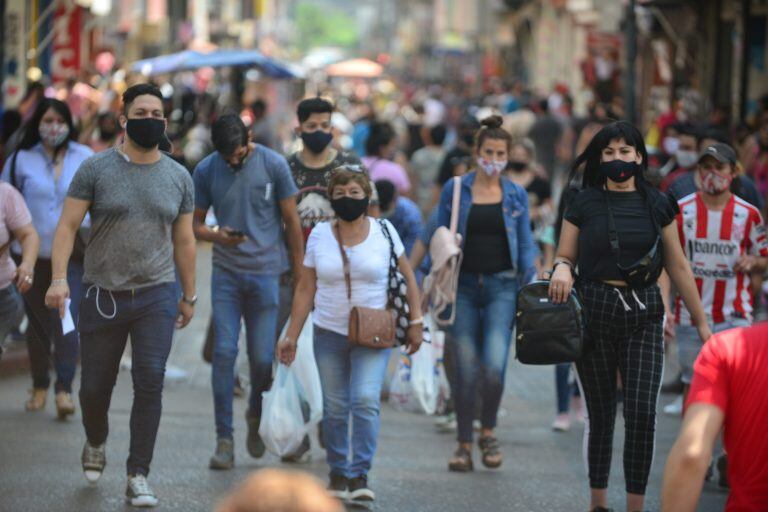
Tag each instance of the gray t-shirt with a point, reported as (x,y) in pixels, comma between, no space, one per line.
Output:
(133,209)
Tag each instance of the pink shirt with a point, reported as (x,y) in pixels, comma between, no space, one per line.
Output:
(380,169)
(13,215)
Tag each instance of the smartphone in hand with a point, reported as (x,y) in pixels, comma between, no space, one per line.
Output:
(235,233)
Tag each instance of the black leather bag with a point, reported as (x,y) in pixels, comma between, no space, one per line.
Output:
(548,333)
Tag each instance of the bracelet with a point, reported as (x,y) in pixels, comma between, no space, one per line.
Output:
(56,282)
(416,321)
(563,262)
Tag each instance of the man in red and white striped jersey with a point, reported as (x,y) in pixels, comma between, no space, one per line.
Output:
(724,239)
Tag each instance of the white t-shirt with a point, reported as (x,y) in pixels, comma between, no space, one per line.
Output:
(369,270)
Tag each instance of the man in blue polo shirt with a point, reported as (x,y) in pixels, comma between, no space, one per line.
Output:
(253,195)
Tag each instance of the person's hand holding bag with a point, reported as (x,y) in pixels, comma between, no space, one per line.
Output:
(415,336)
(561,283)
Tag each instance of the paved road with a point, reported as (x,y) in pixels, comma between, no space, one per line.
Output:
(39,457)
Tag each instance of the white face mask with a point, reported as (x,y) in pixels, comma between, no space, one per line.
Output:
(670,145)
(491,167)
(53,134)
(686,158)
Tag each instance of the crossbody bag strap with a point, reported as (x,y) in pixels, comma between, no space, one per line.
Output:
(344,260)
(613,235)
(455,204)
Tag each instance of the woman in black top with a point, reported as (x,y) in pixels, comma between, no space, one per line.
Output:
(498,253)
(624,319)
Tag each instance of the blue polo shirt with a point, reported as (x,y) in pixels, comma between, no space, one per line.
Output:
(248,200)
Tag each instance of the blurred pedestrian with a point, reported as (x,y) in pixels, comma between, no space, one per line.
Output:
(351,375)
(42,169)
(262,127)
(685,157)
(498,254)
(107,130)
(403,213)
(727,395)
(619,261)
(380,149)
(141,203)
(15,222)
(425,166)
(275,490)
(251,190)
(546,133)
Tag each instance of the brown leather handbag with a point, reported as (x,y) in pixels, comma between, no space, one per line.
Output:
(368,327)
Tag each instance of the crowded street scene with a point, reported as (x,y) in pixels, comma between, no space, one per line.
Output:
(388,255)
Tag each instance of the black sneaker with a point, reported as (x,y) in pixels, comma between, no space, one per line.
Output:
(338,487)
(358,489)
(94,459)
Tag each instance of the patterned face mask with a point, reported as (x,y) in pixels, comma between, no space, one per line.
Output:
(714,183)
(491,167)
(53,134)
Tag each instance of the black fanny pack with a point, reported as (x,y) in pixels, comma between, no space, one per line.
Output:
(645,271)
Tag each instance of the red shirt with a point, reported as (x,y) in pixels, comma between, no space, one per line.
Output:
(731,373)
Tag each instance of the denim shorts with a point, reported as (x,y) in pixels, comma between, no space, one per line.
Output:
(689,344)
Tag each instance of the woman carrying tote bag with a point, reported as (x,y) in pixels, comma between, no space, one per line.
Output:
(620,233)
(346,278)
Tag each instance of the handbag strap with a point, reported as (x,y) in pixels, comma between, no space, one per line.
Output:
(344,260)
(455,204)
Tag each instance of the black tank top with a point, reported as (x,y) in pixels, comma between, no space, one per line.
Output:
(486,250)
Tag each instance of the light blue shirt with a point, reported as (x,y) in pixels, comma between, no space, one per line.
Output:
(44,194)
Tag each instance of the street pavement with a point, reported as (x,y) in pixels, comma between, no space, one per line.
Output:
(542,470)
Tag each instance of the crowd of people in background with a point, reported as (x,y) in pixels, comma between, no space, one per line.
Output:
(287,201)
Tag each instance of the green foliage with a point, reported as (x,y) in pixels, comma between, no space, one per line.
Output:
(318,26)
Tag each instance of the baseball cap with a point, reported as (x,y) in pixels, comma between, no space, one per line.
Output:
(721,152)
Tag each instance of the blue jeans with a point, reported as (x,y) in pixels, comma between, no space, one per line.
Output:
(480,339)
(351,378)
(148,316)
(253,298)
(564,387)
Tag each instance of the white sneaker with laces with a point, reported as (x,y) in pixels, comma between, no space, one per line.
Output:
(138,493)
(562,423)
(675,408)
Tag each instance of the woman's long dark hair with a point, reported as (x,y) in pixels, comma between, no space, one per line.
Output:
(31,129)
(587,164)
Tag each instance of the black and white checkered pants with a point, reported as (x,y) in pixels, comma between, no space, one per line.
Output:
(626,331)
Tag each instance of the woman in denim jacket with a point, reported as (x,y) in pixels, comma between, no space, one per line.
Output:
(499,254)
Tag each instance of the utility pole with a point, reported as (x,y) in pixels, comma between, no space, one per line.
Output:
(746,12)
(630,76)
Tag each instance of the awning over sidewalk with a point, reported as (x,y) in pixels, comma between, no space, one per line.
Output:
(236,57)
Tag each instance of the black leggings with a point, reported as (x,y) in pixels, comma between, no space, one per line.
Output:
(626,332)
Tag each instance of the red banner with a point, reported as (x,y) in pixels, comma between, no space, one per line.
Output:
(65,54)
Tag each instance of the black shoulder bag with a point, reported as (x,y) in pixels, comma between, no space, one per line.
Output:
(548,333)
(645,271)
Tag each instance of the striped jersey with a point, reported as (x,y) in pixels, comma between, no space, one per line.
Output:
(713,242)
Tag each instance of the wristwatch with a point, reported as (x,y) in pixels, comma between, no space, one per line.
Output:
(191,301)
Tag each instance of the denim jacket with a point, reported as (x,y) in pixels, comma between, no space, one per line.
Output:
(516,220)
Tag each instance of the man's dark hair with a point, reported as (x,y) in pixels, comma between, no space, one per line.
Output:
(137,90)
(690,130)
(386,190)
(259,107)
(228,133)
(311,106)
(381,135)
(437,134)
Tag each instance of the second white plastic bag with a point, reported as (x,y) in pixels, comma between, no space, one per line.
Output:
(282,421)
(414,385)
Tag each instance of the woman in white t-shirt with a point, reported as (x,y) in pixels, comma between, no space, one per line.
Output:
(351,375)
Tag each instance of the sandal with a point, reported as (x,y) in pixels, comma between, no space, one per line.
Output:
(489,446)
(461,461)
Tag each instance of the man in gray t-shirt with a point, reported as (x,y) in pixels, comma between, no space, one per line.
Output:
(140,202)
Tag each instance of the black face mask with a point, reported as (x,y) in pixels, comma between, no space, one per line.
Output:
(517,166)
(619,170)
(106,135)
(316,141)
(468,138)
(349,208)
(146,132)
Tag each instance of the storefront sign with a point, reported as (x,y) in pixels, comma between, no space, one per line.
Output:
(15,63)
(65,57)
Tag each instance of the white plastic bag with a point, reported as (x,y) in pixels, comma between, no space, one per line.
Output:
(282,421)
(304,368)
(414,385)
(443,387)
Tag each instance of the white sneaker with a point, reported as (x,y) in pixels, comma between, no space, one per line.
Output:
(562,423)
(675,408)
(138,492)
